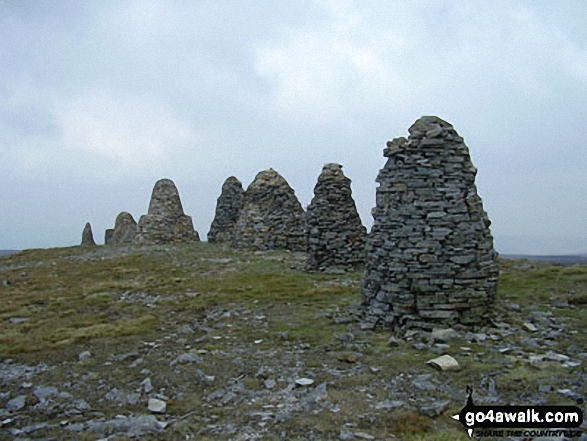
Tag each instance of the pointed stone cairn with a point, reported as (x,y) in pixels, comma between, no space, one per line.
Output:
(125,230)
(271,217)
(87,235)
(430,259)
(227,208)
(165,222)
(336,236)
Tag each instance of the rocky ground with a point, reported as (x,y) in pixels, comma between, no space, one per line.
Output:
(201,342)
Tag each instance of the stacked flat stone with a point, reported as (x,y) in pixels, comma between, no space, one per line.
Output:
(165,222)
(124,231)
(336,236)
(228,207)
(87,235)
(271,216)
(430,259)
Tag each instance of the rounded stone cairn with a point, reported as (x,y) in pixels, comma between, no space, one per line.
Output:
(336,236)
(87,235)
(125,230)
(228,207)
(430,260)
(165,222)
(271,216)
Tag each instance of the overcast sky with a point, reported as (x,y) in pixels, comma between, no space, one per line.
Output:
(100,99)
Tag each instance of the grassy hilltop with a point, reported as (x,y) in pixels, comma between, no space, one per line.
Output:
(223,335)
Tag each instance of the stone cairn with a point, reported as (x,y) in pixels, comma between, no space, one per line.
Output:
(336,236)
(430,260)
(108,236)
(227,208)
(124,231)
(87,235)
(271,217)
(165,222)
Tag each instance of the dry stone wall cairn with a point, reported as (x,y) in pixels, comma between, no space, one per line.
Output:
(271,217)
(87,235)
(336,236)
(108,236)
(228,207)
(430,259)
(165,222)
(125,230)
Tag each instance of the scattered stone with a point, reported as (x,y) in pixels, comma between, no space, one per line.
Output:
(44,392)
(444,363)
(156,406)
(429,257)
(146,385)
(304,381)
(434,408)
(187,358)
(393,342)
(16,320)
(444,335)
(165,222)
(336,236)
(530,327)
(271,216)
(87,235)
(228,207)
(133,426)
(17,403)
(391,404)
(84,355)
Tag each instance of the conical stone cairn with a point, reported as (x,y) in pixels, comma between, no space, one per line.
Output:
(228,207)
(165,222)
(430,259)
(336,236)
(87,235)
(271,217)
(124,231)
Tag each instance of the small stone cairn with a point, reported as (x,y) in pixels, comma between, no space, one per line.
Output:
(165,222)
(228,206)
(271,217)
(430,260)
(124,231)
(108,236)
(336,236)
(87,235)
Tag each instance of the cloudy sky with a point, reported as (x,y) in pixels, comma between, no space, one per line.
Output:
(99,99)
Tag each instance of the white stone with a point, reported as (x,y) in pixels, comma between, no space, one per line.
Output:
(156,406)
(444,363)
(304,381)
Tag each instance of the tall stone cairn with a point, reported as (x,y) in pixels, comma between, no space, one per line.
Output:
(165,222)
(336,236)
(227,208)
(125,230)
(430,260)
(87,235)
(271,217)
